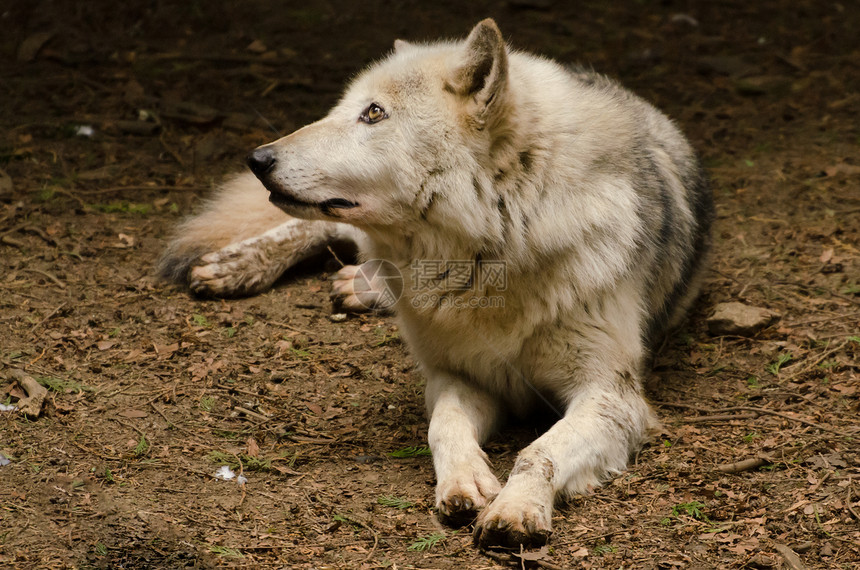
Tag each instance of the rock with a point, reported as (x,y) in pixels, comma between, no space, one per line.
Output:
(739,319)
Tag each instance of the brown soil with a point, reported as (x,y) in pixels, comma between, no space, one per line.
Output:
(152,390)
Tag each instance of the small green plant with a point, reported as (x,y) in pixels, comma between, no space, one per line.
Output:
(717,369)
(691,509)
(386,338)
(206,403)
(45,194)
(63,386)
(109,476)
(101,549)
(201,321)
(341,518)
(123,207)
(414,451)
(396,502)
(228,332)
(602,549)
(854,339)
(774,367)
(753,382)
(142,446)
(425,543)
(751,436)
(225,551)
(226,434)
(299,353)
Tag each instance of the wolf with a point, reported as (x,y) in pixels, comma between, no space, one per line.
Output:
(471,156)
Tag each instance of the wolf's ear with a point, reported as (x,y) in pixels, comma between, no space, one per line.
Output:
(483,70)
(401,45)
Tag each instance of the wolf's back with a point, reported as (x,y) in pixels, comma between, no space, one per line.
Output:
(637,203)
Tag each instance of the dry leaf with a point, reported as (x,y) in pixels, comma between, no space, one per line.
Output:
(105,344)
(30,47)
(253,448)
(256,47)
(133,414)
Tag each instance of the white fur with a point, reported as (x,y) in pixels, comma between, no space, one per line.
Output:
(585,193)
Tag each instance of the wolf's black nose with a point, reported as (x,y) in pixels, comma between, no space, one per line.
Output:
(261,160)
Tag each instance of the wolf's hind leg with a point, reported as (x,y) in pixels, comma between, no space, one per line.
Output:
(461,418)
(253,265)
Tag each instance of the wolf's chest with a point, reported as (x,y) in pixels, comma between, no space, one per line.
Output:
(508,349)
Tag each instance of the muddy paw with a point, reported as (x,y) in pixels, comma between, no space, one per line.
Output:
(459,499)
(232,272)
(513,522)
(366,287)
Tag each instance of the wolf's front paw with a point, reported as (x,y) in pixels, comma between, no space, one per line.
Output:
(233,271)
(514,519)
(371,286)
(460,497)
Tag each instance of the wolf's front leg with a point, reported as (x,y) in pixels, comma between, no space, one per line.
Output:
(253,265)
(606,420)
(461,418)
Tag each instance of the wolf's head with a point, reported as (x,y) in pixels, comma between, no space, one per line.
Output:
(404,145)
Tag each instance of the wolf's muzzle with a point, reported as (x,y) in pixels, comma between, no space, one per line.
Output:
(261,160)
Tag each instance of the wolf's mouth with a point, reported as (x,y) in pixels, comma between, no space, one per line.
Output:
(285,200)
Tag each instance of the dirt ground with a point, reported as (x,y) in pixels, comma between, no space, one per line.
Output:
(152,390)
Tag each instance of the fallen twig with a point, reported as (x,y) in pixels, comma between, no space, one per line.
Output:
(251,413)
(47,276)
(47,318)
(757,410)
(820,359)
(720,418)
(744,465)
(848,499)
(6,240)
(792,560)
(788,417)
(368,527)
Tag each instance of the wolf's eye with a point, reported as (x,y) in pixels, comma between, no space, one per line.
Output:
(373,114)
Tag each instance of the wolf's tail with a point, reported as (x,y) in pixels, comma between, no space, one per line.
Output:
(239,209)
